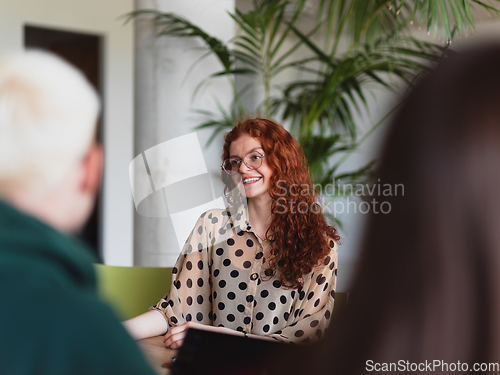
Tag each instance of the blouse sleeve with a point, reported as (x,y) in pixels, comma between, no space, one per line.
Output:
(312,310)
(189,298)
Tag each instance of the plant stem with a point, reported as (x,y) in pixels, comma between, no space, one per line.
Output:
(265,68)
(237,96)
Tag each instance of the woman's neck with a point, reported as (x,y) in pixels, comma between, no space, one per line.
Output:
(259,215)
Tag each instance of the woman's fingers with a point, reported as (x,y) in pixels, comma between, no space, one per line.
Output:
(175,336)
(174,340)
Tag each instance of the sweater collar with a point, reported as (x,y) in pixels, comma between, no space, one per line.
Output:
(22,235)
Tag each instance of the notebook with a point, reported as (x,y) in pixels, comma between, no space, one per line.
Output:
(205,352)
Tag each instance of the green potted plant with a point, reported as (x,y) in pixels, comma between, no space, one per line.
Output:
(319,107)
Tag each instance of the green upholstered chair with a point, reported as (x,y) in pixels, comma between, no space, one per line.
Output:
(132,290)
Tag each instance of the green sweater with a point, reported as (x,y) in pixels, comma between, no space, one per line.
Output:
(51,319)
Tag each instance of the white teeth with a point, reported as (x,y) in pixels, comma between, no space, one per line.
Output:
(248,180)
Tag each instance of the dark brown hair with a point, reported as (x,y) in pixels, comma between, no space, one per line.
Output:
(427,286)
(299,240)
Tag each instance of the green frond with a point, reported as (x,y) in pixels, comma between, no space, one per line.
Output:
(322,106)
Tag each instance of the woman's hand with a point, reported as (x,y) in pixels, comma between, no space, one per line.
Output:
(175,336)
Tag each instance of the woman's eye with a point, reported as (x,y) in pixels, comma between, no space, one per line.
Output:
(234,163)
(255,157)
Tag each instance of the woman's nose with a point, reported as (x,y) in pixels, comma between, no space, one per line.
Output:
(243,167)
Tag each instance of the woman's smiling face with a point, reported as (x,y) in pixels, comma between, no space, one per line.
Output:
(256,181)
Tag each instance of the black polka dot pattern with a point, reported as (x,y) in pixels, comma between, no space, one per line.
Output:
(228,283)
(299,333)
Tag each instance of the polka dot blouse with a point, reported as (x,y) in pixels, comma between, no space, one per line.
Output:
(220,280)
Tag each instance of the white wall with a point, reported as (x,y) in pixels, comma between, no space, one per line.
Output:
(164,106)
(96,17)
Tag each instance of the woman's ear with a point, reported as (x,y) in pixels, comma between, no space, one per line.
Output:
(92,165)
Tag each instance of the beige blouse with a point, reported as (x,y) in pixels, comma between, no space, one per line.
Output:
(219,279)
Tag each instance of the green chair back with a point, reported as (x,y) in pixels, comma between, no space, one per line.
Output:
(132,290)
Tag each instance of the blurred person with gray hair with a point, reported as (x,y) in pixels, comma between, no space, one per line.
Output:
(51,319)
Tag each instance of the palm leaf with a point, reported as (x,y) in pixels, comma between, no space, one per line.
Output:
(172,25)
(321,105)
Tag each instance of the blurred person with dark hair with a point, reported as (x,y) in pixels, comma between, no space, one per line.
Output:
(51,319)
(426,294)
(265,267)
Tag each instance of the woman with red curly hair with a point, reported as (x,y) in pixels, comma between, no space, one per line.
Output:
(265,266)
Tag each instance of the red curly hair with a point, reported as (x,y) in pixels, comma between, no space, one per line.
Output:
(299,240)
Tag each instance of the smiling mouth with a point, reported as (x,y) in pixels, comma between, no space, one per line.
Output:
(251,180)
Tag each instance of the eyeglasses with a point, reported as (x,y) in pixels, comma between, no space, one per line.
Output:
(253,160)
